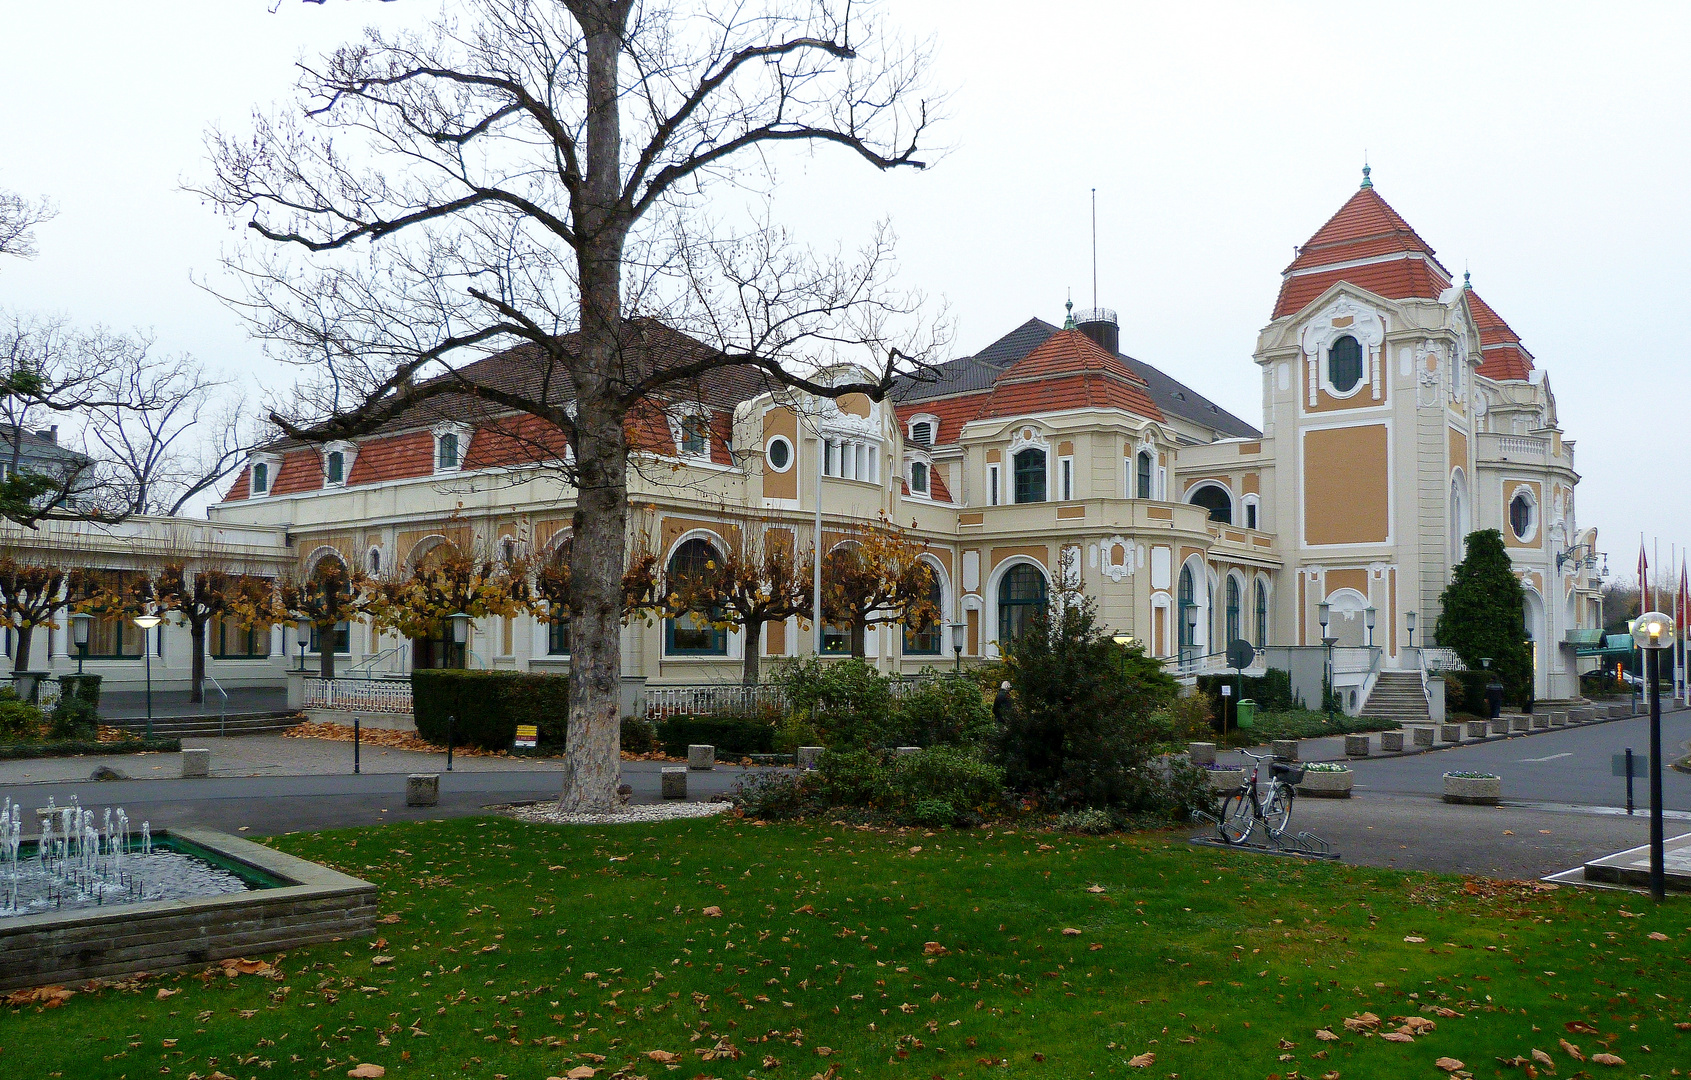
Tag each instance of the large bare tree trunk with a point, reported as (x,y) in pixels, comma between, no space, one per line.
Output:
(593,766)
(754,645)
(20,658)
(859,632)
(326,653)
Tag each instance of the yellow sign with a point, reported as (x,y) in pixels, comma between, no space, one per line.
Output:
(528,736)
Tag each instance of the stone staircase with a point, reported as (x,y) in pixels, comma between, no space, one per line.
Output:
(1398,696)
(209,726)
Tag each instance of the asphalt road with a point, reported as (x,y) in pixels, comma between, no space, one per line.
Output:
(1560,766)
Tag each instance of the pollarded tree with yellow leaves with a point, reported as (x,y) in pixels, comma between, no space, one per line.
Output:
(331,594)
(873,575)
(762,577)
(420,604)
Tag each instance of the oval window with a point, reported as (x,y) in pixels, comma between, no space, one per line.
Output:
(1344,364)
(1521,515)
(780,454)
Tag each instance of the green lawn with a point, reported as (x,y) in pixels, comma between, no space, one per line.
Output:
(524,952)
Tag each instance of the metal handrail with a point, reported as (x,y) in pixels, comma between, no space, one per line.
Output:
(368,665)
(222,706)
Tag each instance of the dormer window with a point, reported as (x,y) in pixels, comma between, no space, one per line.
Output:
(334,469)
(695,435)
(261,478)
(919,477)
(922,433)
(261,474)
(451,446)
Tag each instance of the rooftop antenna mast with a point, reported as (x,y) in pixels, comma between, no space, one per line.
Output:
(1095,249)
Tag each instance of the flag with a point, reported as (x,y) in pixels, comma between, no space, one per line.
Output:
(1643,578)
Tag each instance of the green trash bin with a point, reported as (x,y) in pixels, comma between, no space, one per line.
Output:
(1247,714)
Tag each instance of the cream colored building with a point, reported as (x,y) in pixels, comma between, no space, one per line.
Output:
(1399,413)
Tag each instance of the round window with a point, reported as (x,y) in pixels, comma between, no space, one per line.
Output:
(1344,364)
(1523,516)
(780,454)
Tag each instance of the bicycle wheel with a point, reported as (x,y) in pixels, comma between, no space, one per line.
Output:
(1277,812)
(1238,818)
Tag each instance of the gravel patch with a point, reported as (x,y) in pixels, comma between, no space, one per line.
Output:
(549,814)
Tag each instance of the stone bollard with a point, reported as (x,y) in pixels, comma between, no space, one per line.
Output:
(1423,736)
(422,789)
(1616,712)
(674,782)
(907,751)
(1356,746)
(1500,726)
(701,756)
(1391,741)
(805,757)
(1540,721)
(1584,714)
(1450,733)
(196,764)
(1201,753)
(1285,749)
(1476,729)
(1520,723)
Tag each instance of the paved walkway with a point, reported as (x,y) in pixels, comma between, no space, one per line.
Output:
(126,704)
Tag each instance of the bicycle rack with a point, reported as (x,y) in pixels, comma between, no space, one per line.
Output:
(1304,845)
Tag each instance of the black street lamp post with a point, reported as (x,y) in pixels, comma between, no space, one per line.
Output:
(148,622)
(1654,632)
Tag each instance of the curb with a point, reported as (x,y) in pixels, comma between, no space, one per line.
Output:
(1393,756)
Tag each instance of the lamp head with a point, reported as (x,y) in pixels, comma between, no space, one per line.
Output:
(1191,615)
(1485,662)
(147,621)
(1368,615)
(1409,619)
(304,632)
(1324,613)
(1653,630)
(460,627)
(80,622)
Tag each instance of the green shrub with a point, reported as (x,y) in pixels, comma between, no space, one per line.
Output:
(933,813)
(794,733)
(934,788)
(949,774)
(1188,718)
(731,735)
(73,718)
(1272,690)
(945,711)
(639,736)
(487,706)
(1481,616)
(18,719)
(848,701)
(82,687)
(1082,733)
(1464,691)
(860,779)
(1093,822)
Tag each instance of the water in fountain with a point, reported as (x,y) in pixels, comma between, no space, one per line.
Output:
(77,864)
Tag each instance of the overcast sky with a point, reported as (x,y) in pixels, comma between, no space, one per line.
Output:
(1543,146)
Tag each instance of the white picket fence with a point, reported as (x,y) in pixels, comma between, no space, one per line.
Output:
(363,695)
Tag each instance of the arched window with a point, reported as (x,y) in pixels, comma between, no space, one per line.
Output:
(692,634)
(1188,600)
(1344,364)
(919,477)
(1233,604)
(374,559)
(1216,500)
(260,477)
(1262,615)
(554,574)
(924,640)
(1523,516)
(1458,516)
(1030,476)
(1021,596)
(1144,475)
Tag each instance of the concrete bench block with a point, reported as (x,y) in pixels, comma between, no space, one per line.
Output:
(674,782)
(1520,723)
(1422,736)
(1356,746)
(196,764)
(806,756)
(1584,714)
(1558,719)
(1391,742)
(1540,721)
(422,789)
(1451,733)
(1286,749)
(1477,729)
(701,756)
(907,751)
(1500,726)
(1616,712)
(1201,753)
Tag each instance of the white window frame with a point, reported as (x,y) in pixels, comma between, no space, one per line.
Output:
(792,453)
(918,466)
(922,418)
(348,452)
(1250,508)
(679,419)
(1532,534)
(461,434)
(1065,478)
(272,467)
(994,471)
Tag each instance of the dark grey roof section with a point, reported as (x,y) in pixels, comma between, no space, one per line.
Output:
(1175,398)
(974,373)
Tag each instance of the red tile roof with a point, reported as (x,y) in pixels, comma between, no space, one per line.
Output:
(1365,227)
(1069,371)
(952,413)
(1503,357)
(937,488)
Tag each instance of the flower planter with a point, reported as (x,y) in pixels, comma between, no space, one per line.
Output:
(1201,753)
(1327,784)
(1473,790)
(1226,779)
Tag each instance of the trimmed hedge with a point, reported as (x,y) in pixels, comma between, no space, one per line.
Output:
(731,735)
(1272,690)
(81,687)
(487,706)
(79,747)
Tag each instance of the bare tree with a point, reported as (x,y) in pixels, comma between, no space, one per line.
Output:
(536,173)
(18,219)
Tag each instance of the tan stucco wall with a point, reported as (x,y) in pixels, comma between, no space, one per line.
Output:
(1346,485)
(781,485)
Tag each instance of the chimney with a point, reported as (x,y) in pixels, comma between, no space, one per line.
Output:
(1100,325)
(50,434)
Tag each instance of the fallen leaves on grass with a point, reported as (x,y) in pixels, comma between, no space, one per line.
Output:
(163,993)
(662,1057)
(367,1071)
(1580,1027)
(1362,1022)
(933,948)
(1326,1035)
(1142,1061)
(1069,931)
(46,996)
(1543,1059)
(1657,935)
(1398,1037)
(713,912)
(1449,1064)
(1413,940)
(1607,1059)
(235,966)
(1571,1050)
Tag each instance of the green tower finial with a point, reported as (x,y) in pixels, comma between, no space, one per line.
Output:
(1366,183)
(1467,281)
(1068,322)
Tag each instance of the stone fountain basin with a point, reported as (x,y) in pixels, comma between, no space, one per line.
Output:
(294,902)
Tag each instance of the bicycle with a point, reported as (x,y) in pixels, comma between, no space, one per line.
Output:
(1242,810)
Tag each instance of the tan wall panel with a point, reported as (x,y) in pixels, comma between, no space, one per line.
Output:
(1458,450)
(971,519)
(1161,513)
(1064,512)
(545,530)
(973,618)
(1065,449)
(1224,479)
(674,527)
(993,457)
(1346,485)
(1039,554)
(1347,579)
(781,485)
(1250,448)
(1252,483)
(855,405)
(775,638)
